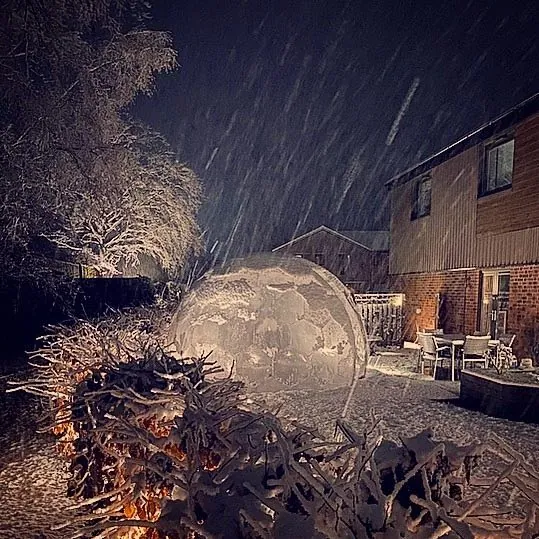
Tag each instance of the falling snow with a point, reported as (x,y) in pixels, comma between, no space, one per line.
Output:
(405,402)
(405,105)
(294,114)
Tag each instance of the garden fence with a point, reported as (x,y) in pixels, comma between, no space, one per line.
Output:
(383,317)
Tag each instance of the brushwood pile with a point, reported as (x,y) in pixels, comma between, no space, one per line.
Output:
(160,447)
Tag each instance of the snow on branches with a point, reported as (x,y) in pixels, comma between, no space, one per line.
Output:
(167,448)
(147,208)
(76,170)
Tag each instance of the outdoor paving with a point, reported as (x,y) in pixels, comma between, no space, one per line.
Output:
(33,479)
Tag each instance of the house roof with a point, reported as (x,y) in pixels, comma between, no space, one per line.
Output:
(372,240)
(506,120)
(375,240)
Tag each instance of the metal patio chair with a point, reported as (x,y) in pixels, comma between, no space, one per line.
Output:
(429,331)
(507,339)
(430,351)
(475,350)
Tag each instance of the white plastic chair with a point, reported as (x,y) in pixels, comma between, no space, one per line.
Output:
(475,350)
(430,351)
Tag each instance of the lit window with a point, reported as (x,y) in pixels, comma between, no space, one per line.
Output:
(421,202)
(498,167)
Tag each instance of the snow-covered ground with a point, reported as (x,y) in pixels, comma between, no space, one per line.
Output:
(406,403)
(32,483)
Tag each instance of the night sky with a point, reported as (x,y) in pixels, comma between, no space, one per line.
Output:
(295,113)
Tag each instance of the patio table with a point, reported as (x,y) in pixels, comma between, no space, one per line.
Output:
(456,340)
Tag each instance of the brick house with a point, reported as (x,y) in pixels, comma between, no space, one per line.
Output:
(358,258)
(465,232)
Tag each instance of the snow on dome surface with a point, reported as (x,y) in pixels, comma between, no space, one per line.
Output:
(276,321)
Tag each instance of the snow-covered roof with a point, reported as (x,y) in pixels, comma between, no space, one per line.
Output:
(372,240)
(506,120)
(375,240)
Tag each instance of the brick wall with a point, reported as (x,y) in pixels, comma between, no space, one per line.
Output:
(460,290)
(523,315)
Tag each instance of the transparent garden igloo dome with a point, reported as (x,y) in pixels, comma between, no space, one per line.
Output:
(277,322)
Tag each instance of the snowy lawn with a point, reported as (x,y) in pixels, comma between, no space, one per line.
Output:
(33,479)
(32,482)
(407,403)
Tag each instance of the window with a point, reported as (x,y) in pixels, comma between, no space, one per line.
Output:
(502,303)
(421,202)
(503,291)
(498,172)
(494,302)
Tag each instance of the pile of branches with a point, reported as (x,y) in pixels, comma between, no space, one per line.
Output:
(71,353)
(166,448)
(163,448)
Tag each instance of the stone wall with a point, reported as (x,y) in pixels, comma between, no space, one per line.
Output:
(498,398)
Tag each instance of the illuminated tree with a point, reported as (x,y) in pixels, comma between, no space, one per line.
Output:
(78,175)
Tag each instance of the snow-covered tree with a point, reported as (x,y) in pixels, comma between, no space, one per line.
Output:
(77,174)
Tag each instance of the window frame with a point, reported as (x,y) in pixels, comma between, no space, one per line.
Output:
(418,182)
(483,177)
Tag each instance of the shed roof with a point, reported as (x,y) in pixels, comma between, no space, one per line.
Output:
(372,240)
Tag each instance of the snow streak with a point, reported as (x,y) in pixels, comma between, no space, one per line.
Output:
(395,127)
